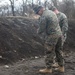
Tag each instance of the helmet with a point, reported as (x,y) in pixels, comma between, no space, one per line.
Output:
(37,9)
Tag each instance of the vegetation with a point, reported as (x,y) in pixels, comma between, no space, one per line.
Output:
(25,7)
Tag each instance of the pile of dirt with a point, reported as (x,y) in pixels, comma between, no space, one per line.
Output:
(19,39)
(70,35)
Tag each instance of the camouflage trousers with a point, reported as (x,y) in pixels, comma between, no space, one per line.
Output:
(59,48)
(54,48)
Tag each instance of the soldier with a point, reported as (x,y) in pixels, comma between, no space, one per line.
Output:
(50,29)
(63,22)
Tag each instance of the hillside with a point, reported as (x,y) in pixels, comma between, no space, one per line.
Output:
(19,39)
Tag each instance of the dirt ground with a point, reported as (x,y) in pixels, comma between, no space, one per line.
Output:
(22,50)
(32,66)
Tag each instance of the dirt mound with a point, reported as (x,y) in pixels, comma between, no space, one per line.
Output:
(71,34)
(18,39)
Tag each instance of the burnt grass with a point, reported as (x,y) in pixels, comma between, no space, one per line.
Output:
(19,39)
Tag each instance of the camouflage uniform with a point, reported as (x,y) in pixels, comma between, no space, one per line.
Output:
(63,22)
(50,29)
(59,46)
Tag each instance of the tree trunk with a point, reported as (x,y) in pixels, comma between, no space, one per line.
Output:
(13,10)
(55,2)
(12,7)
(23,8)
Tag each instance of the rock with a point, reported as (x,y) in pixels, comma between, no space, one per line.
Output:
(36,57)
(6,66)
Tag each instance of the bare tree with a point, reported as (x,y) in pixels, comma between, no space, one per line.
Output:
(39,2)
(32,3)
(68,8)
(3,10)
(12,7)
(8,10)
(24,5)
(48,4)
(55,2)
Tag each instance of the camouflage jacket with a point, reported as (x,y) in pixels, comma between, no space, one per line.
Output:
(63,22)
(48,24)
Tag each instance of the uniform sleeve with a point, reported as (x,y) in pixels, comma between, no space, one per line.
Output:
(42,25)
(64,25)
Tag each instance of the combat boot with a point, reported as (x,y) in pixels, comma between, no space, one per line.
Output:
(46,70)
(60,69)
(55,65)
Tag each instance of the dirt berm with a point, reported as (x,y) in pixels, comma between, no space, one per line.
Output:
(18,39)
